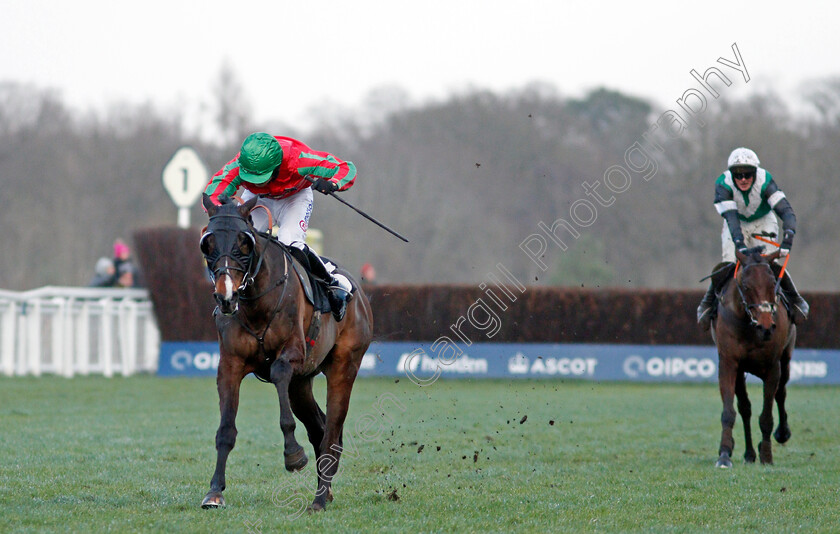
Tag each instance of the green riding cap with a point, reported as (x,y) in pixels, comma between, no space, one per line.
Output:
(260,154)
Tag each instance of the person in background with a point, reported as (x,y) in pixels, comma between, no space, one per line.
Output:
(125,272)
(103,273)
(368,274)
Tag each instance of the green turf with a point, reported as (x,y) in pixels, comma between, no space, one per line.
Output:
(136,455)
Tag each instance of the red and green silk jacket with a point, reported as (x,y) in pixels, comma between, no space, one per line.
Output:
(298,161)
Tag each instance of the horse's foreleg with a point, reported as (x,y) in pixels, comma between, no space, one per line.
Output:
(340,378)
(281,376)
(782,433)
(745,409)
(726,381)
(765,420)
(228,381)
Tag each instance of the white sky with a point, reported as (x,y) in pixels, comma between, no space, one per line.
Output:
(292,56)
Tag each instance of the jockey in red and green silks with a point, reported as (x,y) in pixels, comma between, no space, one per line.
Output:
(274,168)
(749,201)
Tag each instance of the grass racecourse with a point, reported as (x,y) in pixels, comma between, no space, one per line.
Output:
(136,455)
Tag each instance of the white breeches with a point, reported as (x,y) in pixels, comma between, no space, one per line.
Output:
(290,214)
(766,224)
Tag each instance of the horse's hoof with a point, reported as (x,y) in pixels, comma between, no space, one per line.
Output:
(313,508)
(296,461)
(213,500)
(782,435)
(724,462)
(765,453)
(749,457)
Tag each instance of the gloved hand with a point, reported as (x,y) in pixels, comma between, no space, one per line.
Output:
(324,186)
(787,243)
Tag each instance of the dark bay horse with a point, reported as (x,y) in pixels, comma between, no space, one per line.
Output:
(265,323)
(753,335)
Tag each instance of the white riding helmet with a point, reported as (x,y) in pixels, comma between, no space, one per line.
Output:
(743,157)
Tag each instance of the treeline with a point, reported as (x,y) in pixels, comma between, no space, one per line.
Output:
(467,179)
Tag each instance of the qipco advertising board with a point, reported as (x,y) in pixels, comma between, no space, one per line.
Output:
(424,363)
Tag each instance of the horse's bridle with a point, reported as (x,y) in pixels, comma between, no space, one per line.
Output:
(767,307)
(242,262)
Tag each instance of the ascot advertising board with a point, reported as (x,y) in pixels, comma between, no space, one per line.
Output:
(419,362)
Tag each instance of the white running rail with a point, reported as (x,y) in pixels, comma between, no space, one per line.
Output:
(77,330)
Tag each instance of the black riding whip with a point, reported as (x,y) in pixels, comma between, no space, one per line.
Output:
(360,212)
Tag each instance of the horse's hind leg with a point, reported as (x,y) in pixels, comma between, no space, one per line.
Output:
(726,381)
(228,380)
(782,433)
(745,409)
(281,376)
(306,409)
(765,420)
(340,377)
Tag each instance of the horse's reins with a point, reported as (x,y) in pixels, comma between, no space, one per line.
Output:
(281,281)
(249,278)
(772,306)
(243,265)
(784,265)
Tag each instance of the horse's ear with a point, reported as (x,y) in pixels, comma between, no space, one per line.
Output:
(245,209)
(209,206)
(774,256)
(743,258)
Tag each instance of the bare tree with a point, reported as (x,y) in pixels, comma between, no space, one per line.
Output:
(232,111)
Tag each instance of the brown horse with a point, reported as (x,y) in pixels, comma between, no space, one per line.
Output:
(752,336)
(265,324)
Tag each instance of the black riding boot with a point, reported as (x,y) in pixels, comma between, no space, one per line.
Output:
(338,300)
(798,306)
(337,295)
(706,309)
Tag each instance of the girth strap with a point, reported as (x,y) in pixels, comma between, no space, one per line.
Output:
(315,323)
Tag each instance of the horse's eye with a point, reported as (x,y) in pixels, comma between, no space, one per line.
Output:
(207,244)
(245,243)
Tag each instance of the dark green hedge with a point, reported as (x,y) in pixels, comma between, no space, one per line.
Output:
(182,297)
(174,272)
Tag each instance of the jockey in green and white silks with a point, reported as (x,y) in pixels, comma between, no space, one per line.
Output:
(749,200)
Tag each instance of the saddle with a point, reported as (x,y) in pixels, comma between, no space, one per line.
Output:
(720,274)
(316,285)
